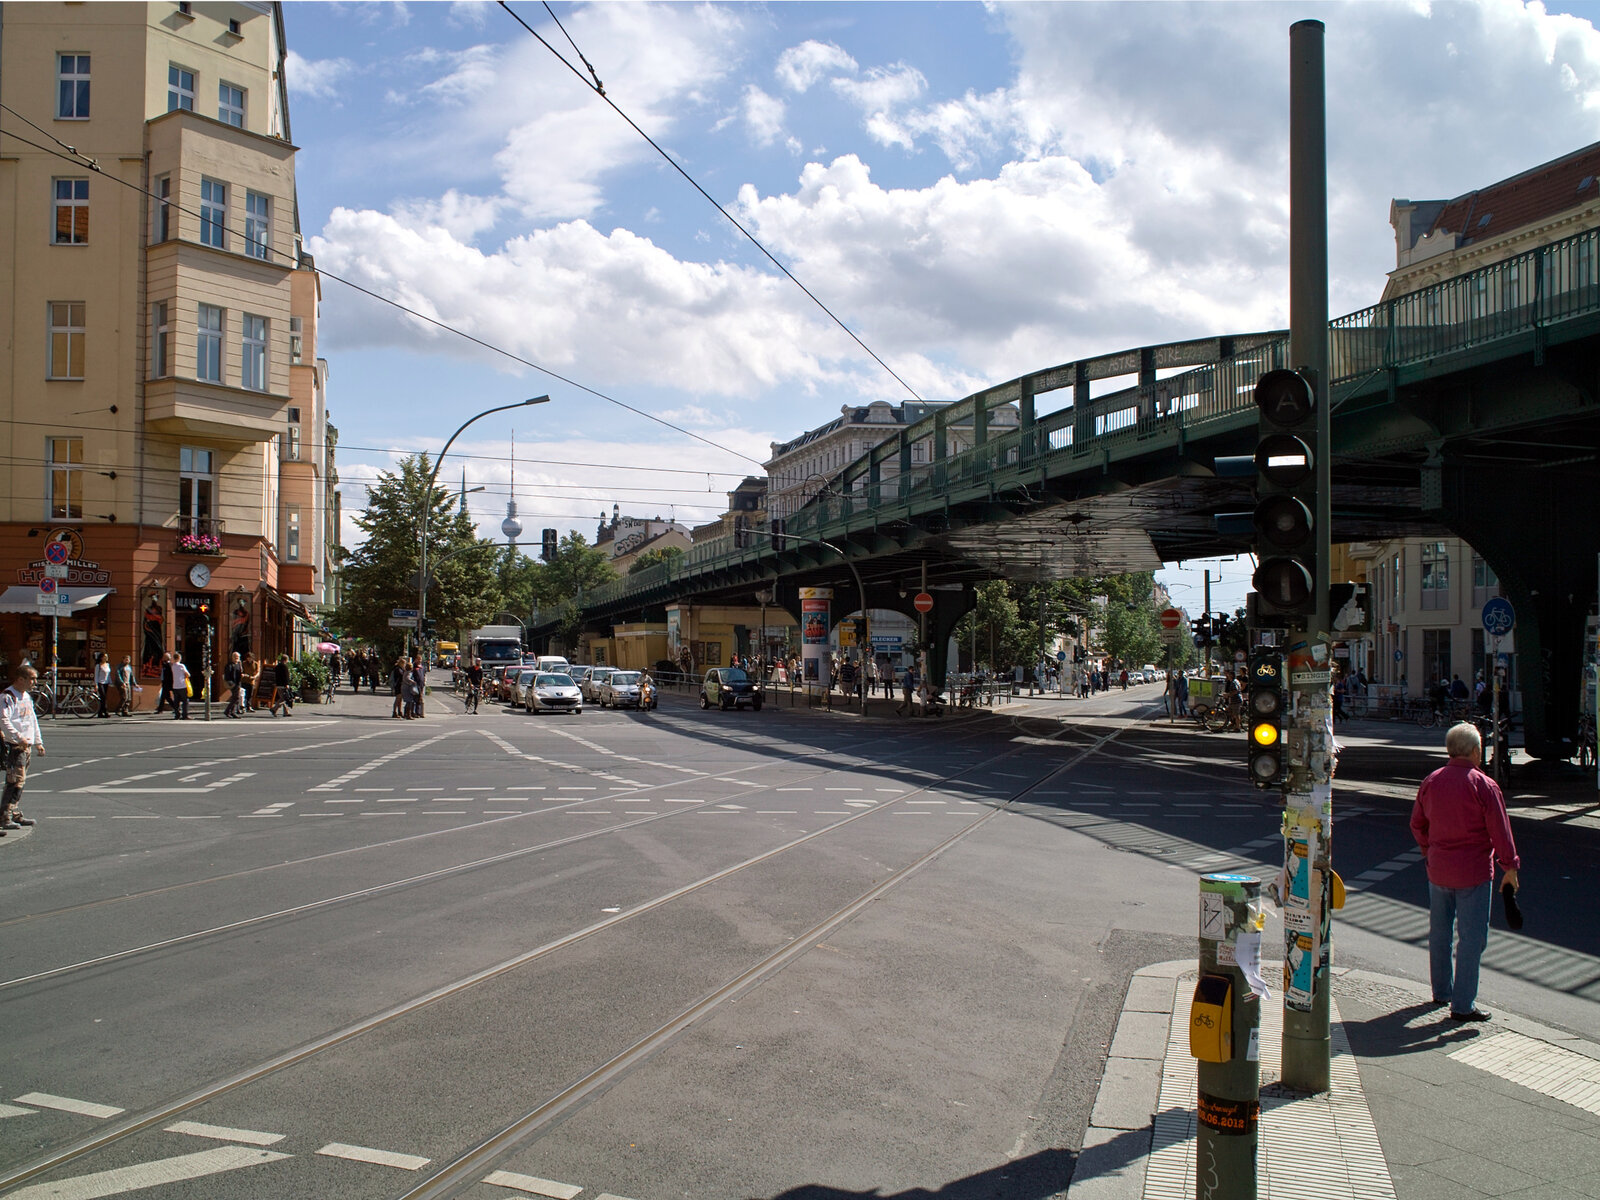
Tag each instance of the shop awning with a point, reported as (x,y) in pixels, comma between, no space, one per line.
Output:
(288,603)
(20,598)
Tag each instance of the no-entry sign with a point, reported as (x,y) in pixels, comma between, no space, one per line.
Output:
(1171,618)
(922,602)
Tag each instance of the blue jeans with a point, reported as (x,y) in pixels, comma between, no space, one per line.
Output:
(1463,912)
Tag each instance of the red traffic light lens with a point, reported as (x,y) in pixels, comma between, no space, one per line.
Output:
(1285,398)
(1283,520)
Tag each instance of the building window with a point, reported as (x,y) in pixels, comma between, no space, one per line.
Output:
(71,212)
(196,483)
(214,214)
(1435,576)
(66,478)
(1483,576)
(230,105)
(291,538)
(208,345)
(163,208)
(160,341)
(292,446)
(1399,582)
(1435,656)
(180,88)
(66,339)
(253,353)
(72,90)
(257,225)
(296,340)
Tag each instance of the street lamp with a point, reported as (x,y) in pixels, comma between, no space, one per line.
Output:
(427,505)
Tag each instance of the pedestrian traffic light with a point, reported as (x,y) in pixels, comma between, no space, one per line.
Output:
(1264,704)
(1285,581)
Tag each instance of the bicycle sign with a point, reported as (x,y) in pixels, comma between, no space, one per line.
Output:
(1499,618)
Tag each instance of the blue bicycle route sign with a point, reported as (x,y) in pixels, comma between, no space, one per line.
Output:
(1499,618)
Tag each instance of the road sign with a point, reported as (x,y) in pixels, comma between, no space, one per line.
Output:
(1061,656)
(923,602)
(1171,618)
(47,586)
(1499,618)
(402,622)
(1238,656)
(1169,637)
(403,614)
(55,570)
(48,601)
(1399,656)
(56,553)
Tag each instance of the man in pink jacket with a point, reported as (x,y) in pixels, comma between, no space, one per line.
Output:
(1459,821)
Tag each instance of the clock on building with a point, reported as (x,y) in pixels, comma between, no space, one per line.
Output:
(199,575)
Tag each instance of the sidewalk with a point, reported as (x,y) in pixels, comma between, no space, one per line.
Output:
(1421,1107)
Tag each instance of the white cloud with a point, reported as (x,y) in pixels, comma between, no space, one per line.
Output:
(316,79)
(762,114)
(462,216)
(801,66)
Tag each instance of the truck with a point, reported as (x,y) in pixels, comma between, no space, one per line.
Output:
(496,645)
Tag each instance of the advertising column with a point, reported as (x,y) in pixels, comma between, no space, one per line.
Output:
(815,624)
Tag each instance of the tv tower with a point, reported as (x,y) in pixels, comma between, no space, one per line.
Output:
(512,527)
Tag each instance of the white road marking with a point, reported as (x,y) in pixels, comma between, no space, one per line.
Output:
(792,789)
(833,812)
(420,789)
(475,789)
(732,807)
(888,789)
(387,789)
(63,1104)
(775,812)
(149,1174)
(842,789)
(11,1110)
(381,800)
(224,1133)
(444,812)
(574,787)
(383,1158)
(678,801)
(532,1185)
(502,812)
(535,787)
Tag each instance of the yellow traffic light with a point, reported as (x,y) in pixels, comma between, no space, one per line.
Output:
(1264,733)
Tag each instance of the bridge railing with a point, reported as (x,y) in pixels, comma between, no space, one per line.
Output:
(1540,286)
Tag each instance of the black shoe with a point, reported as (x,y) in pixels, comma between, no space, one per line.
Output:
(1476,1014)
(22,820)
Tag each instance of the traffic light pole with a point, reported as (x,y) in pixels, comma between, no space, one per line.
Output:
(1308,794)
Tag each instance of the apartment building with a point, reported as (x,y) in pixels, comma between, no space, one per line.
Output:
(161,377)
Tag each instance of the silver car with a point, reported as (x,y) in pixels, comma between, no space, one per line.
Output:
(594,681)
(551,692)
(520,686)
(620,690)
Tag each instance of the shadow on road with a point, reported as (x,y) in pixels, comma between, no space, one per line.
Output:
(1035,1177)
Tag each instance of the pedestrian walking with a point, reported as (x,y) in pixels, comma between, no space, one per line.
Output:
(419,676)
(252,680)
(126,685)
(1459,821)
(19,727)
(102,680)
(180,688)
(281,680)
(233,676)
(397,681)
(165,697)
(908,687)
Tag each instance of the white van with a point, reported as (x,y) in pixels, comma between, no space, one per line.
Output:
(553,662)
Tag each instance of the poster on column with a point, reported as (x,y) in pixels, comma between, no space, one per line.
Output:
(815,626)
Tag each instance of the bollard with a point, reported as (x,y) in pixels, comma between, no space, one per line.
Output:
(1225,1036)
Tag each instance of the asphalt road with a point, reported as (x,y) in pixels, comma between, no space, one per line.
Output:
(744,955)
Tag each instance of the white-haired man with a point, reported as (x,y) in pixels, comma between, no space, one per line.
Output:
(1459,820)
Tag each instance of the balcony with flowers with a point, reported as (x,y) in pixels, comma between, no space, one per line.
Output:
(200,537)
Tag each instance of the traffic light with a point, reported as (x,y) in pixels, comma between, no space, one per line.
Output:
(1264,712)
(205,610)
(1284,520)
(429,627)
(1202,632)
(547,548)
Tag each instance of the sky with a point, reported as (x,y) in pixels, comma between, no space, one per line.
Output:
(976,191)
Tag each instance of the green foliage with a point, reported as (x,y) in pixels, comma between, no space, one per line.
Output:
(1131,628)
(576,567)
(381,573)
(667,554)
(309,669)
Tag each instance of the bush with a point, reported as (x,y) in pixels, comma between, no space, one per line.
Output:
(309,671)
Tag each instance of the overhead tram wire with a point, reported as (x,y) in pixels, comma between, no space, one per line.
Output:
(81,160)
(600,91)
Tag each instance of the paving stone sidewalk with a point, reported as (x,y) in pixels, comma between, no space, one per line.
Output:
(1421,1107)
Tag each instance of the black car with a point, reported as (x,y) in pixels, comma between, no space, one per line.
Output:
(729,687)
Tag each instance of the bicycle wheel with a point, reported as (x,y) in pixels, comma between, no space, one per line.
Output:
(1355,706)
(1216,718)
(1426,717)
(82,702)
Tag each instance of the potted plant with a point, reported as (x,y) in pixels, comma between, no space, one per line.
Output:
(199,543)
(310,676)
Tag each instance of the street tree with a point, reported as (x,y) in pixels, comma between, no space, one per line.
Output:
(670,555)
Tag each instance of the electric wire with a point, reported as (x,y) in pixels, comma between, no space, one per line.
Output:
(80,160)
(734,221)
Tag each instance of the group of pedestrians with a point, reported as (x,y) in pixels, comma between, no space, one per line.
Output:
(408,680)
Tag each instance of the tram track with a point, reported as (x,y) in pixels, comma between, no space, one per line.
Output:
(145,1119)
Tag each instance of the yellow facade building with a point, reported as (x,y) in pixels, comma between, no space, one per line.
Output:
(161,402)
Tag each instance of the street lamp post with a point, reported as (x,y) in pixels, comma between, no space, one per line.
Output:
(427,506)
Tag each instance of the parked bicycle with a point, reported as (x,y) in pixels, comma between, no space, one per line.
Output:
(72,698)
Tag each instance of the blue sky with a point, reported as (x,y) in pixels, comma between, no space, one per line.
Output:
(978,191)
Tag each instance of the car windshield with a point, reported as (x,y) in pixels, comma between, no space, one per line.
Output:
(524,677)
(625,679)
(554,681)
(734,675)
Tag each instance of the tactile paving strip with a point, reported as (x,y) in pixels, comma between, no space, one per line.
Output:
(1549,1070)
(1324,1147)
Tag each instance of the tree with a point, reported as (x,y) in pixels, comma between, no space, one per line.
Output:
(381,574)
(670,555)
(1131,635)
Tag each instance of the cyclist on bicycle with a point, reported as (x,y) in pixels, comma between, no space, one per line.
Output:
(1233,697)
(474,684)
